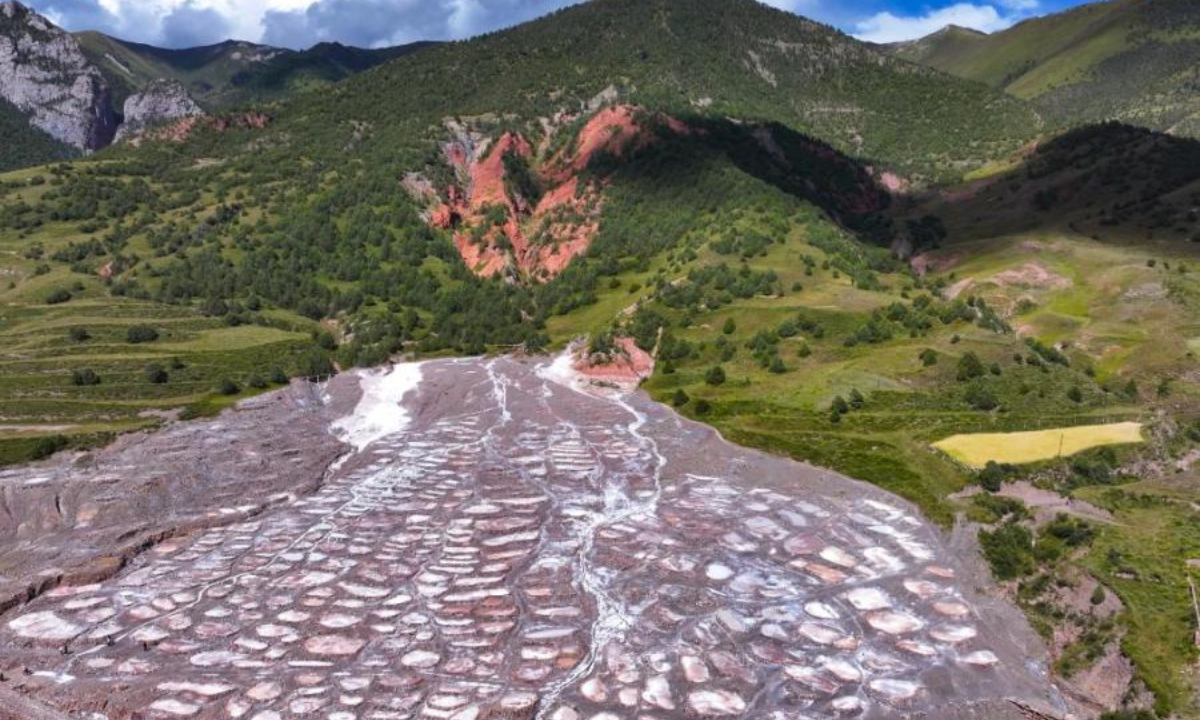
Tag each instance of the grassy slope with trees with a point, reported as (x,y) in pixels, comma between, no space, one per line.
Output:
(1131,60)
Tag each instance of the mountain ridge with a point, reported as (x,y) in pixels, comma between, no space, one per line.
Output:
(75,87)
(1126,60)
(741,59)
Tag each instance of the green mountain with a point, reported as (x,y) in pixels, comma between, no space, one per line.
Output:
(1137,61)
(231,73)
(941,49)
(715,57)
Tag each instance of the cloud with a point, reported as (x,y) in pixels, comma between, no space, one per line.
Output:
(794,6)
(190,25)
(374,23)
(885,27)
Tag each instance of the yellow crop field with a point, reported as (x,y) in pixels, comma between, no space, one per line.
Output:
(977,449)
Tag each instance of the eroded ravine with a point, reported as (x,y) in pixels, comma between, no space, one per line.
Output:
(518,548)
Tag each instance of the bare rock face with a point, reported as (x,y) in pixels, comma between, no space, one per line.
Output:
(162,101)
(44,73)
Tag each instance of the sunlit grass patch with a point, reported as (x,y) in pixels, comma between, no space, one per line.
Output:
(977,449)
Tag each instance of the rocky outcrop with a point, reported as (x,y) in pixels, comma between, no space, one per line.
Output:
(44,73)
(162,101)
(532,228)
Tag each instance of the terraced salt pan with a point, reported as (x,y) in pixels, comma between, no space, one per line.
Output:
(524,549)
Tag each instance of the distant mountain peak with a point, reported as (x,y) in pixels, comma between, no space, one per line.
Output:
(952,28)
(1127,60)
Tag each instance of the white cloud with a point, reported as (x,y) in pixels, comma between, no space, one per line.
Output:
(372,23)
(886,27)
(297,23)
(795,6)
(1018,4)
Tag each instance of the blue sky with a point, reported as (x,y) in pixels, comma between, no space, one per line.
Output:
(374,23)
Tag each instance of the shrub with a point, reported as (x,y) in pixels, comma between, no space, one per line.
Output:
(316,364)
(929,357)
(839,406)
(982,398)
(730,327)
(279,377)
(680,398)
(715,375)
(214,307)
(777,365)
(228,387)
(85,376)
(1091,470)
(156,374)
(326,340)
(994,508)
(1009,551)
(256,381)
(141,334)
(47,446)
(310,309)
(857,401)
(970,367)
(992,476)
(702,407)
(78,334)
(1071,531)
(1075,395)
(58,296)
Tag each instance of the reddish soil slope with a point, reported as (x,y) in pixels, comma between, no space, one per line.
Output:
(534,241)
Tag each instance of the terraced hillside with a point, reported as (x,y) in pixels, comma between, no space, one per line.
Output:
(1129,60)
